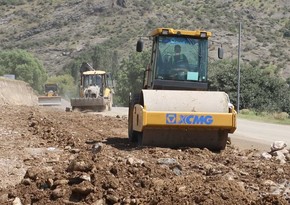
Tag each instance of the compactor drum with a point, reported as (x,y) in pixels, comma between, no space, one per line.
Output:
(175,108)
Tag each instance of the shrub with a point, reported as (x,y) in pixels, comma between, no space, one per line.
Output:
(247,112)
(24,66)
(281,116)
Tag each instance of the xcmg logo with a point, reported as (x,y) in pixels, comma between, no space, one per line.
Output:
(189,119)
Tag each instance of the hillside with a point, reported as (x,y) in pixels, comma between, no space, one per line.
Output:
(58,31)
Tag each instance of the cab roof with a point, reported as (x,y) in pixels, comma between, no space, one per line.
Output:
(171,31)
(94,72)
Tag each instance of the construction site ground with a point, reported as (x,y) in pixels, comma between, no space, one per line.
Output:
(49,156)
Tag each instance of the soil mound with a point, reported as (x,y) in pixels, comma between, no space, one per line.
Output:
(16,92)
(49,156)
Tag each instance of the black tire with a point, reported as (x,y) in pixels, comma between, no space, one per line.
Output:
(100,108)
(139,136)
(133,135)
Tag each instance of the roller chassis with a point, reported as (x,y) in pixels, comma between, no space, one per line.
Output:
(175,107)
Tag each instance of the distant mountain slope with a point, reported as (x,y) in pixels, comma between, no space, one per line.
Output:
(58,31)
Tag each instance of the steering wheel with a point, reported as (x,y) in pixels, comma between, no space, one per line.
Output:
(178,70)
(166,58)
(178,73)
(180,64)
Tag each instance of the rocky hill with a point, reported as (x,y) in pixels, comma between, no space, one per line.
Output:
(58,31)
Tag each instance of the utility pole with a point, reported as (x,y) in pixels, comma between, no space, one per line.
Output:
(239,68)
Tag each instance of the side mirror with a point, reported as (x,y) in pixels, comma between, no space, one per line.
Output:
(220,53)
(139,47)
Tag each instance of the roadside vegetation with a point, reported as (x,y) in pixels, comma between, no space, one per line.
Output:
(24,66)
(262,89)
(275,117)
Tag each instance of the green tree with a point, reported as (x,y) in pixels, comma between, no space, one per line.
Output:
(2,70)
(288,81)
(73,68)
(105,59)
(286,29)
(263,92)
(24,66)
(100,57)
(115,63)
(259,90)
(130,76)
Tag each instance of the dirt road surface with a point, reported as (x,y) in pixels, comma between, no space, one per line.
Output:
(49,156)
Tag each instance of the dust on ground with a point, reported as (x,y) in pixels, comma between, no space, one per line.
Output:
(49,156)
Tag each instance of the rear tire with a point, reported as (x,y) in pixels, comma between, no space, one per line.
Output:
(139,138)
(100,108)
(133,135)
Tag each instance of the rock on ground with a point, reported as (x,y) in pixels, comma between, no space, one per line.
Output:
(50,156)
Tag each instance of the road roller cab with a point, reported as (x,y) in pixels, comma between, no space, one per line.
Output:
(175,108)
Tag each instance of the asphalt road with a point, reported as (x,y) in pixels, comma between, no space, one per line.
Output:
(259,135)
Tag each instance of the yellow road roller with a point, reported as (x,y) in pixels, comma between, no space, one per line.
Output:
(175,108)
